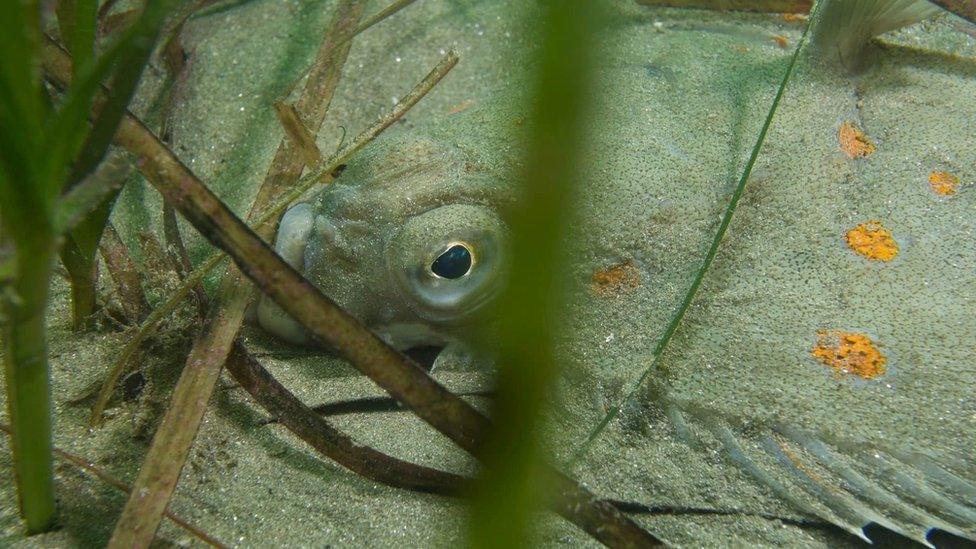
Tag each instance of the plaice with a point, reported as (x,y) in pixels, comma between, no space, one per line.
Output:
(741,404)
(740,383)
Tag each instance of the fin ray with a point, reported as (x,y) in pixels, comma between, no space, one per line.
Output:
(847,483)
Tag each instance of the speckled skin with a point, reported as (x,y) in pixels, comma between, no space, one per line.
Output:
(739,377)
(368,239)
(739,373)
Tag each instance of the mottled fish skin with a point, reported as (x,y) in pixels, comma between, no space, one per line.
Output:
(741,399)
(760,371)
(369,240)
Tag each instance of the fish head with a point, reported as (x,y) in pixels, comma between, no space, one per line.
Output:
(409,239)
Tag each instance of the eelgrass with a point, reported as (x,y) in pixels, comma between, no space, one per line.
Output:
(87,466)
(47,147)
(77,20)
(706,264)
(515,482)
(170,447)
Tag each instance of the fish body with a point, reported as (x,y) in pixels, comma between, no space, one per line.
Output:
(810,378)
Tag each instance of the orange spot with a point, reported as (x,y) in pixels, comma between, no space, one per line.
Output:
(849,353)
(781,41)
(462,106)
(943,183)
(616,279)
(794,17)
(853,141)
(873,241)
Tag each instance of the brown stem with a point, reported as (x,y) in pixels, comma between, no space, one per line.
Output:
(323,77)
(161,468)
(768,6)
(125,274)
(318,433)
(176,250)
(124,361)
(301,138)
(86,465)
(377,17)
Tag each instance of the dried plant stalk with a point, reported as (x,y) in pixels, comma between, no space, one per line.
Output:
(768,6)
(377,17)
(170,447)
(180,259)
(318,433)
(86,465)
(123,271)
(146,329)
(296,131)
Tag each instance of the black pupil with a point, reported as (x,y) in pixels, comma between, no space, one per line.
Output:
(454,263)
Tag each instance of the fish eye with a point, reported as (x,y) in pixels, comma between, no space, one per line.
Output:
(453,263)
(449,261)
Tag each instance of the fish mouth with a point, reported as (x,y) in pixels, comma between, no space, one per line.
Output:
(293,232)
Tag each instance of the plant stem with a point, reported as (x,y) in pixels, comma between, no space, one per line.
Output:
(515,482)
(330,442)
(147,328)
(160,471)
(27,380)
(83,275)
(125,274)
(86,465)
(723,226)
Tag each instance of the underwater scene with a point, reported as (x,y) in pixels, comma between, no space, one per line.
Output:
(436,273)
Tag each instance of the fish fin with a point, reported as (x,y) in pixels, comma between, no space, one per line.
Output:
(844,27)
(848,484)
(858,473)
(456,356)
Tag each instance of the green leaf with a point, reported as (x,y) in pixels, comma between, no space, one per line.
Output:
(78,257)
(82,201)
(23,111)
(76,20)
(69,126)
(706,264)
(21,103)
(514,484)
(69,133)
(142,38)
(90,143)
